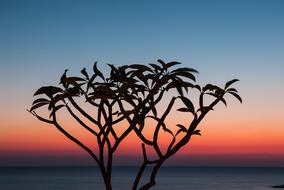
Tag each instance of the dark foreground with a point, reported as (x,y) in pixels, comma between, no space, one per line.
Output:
(181,178)
(278,186)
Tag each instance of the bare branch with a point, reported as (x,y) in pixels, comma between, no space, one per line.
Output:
(72,138)
(81,110)
(160,123)
(132,125)
(159,97)
(80,121)
(41,118)
(91,102)
(171,145)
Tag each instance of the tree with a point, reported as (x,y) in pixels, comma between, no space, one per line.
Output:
(131,93)
(164,80)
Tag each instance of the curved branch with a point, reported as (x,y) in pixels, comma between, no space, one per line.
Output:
(91,102)
(109,160)
(81,110)
(41,118)
(160,123)
(154,172)
(171,145)
(76,141)
(81,122)
(141,169)
(132,124)
(159,97)
(118,120)
(99,115)
(108,123)
(201,101)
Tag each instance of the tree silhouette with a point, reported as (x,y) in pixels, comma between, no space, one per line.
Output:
(131,93)
(103,94)
(163,80)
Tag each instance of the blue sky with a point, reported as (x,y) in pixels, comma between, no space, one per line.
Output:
(222,39)
(227,35)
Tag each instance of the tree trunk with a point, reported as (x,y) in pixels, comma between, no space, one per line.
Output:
(152,181)
(139,175)
(107,182)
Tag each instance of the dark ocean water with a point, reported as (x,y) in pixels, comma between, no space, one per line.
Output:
(169,178)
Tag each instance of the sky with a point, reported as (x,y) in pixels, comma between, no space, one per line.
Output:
(222,39)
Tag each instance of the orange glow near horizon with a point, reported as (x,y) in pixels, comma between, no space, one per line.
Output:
(217,138)
(234,132)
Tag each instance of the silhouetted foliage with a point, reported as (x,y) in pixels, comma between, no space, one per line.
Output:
(131,93)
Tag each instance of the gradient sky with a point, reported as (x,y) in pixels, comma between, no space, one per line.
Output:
(223,40)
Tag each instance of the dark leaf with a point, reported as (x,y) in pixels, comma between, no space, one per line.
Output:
(218,97)
(185,69)
(184,84)
(97,71)
(57,98)
(105,90)
(178,132)
(84,72)
(187,102)
(204,108)
(177,84)
(170,86)
(219,92)
(185,74)
(197,132)
(74,81)
(91,81)
(167,130)
(156,67)
(183,128)
(210,87)
(40,100)
(198,87)
(230,82)
(48,90)
(183,110)
(114,77)
(77,79)
(170,64)
(236,96)
(142,77)
(150,76)
(55,110)
(179,89)
(153,108)
(162,63)
(232,90)
(113,68)
(62,79)
(74,91)
(140,67)
(38,106)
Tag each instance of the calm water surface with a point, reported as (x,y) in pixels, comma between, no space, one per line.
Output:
(169,178)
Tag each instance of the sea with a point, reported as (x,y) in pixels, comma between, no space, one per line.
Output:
(169,178)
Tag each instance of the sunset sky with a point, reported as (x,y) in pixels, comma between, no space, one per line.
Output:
(222,39)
